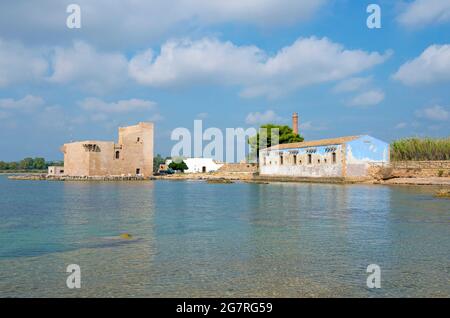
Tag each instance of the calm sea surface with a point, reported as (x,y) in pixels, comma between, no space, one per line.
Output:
(194,239)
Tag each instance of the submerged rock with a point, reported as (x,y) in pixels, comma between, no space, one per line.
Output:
(226,181)
(443,193)
(126,236)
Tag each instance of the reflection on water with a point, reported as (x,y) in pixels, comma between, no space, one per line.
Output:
(199,239)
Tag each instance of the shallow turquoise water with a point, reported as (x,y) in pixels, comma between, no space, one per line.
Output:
(225,240)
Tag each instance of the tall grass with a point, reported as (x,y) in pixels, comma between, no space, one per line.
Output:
(421,149)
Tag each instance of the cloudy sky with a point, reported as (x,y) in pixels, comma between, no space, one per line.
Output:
(234,63)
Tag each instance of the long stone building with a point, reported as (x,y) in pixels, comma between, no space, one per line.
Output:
(131,155)
(349,157)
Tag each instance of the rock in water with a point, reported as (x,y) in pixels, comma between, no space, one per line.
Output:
(443,193)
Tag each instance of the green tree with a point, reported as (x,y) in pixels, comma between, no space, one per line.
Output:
(178,166)
(264,136)
(39,163)
(158,160)
(26,163)
(13,166)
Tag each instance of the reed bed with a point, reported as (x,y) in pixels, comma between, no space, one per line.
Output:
(421,149)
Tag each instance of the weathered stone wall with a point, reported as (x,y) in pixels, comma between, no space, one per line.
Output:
(411,169)
(239,168)
(133,154)
(137,149)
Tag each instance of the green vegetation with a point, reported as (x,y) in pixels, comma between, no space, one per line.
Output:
(286,135)
(421,149)
(28,164)
(158,160)
(178,166)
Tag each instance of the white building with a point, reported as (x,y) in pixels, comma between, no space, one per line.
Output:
(200,165)
(55,171)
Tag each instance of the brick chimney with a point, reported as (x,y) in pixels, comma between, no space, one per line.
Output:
(295,123)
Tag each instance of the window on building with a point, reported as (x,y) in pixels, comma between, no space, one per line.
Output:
(138,171)
(309,159)
(318,160)
(138,139)
(325,160)
(281,159)
(334,157)
(295,159)
(117,154)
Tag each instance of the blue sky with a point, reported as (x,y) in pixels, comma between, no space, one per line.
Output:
(231,63)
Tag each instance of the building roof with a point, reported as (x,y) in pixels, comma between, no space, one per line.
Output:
(315,143)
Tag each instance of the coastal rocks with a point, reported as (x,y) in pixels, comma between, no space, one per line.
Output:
(256,182)
(218,181)
(28,177)
(444,181)
(78,178)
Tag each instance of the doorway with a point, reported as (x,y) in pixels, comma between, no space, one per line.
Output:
(138,171)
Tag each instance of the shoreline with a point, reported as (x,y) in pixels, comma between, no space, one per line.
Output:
(237,177)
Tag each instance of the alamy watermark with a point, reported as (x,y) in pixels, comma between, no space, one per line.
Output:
(235,145)
(74,279)
(374,278)
(374,19)
(73,21)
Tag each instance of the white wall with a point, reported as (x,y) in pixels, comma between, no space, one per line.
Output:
(195,165)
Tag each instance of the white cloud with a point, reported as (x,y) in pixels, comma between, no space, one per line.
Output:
(27,103)
(433,65)
(186,62)
(368,98)
(420,13)
(310,126)
(121,23)
(266,117)
(436,113)
(121,106)
(91,70)
(19,64)
(307,61)
(351,84)
(401,125)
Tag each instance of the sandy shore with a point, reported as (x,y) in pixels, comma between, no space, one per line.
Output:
(419,181)
(245,177)
(444,181)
